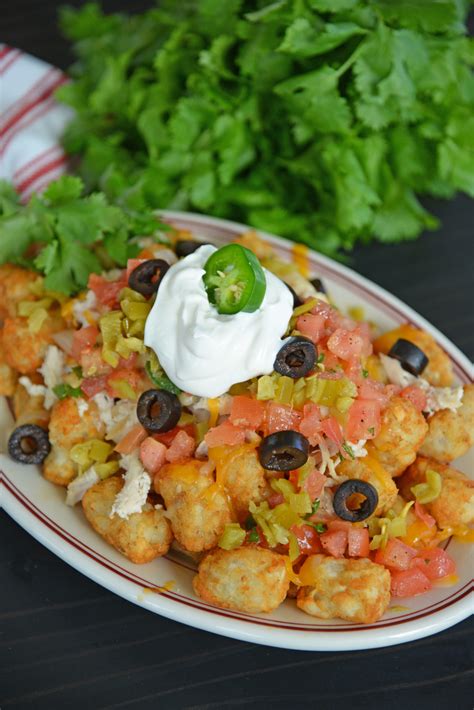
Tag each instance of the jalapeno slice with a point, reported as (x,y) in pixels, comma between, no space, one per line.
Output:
(234,280)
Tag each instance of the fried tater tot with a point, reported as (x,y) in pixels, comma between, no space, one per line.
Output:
(354,590)
(451,434)
(142,537)
(8,376)
(402,432)
(239,470)
(24,350)
(196,506)
(29,409)
(455,504)
(370,470)
(15,286)
(439,371)
(66,428)
(247,579)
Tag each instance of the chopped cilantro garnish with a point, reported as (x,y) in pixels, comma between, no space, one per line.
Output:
(365,373)
(315,505)
(254,536)
(77,370)
(319,527)
(320,358)
(371,430)
(63,390)
(348,450)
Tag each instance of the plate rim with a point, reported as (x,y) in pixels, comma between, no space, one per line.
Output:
(394,632)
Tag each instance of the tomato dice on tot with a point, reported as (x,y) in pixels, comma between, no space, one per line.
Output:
(409,583)
(246,412)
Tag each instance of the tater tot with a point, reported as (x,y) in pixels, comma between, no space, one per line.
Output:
(15,286)
(439,371)
(247,579)
(197,507)
(354,590)
(451,434)
(402,432)
(142,537)
(66,428)
(370,470)
(455,504)
(242,476)
(24,350)
(8,376)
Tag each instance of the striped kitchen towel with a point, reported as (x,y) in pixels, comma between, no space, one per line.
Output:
(31,122)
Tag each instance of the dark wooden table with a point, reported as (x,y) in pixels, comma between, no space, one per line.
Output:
(67,643)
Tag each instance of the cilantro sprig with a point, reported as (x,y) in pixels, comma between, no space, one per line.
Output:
(70,235)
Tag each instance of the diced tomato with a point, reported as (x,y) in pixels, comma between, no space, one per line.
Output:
(396,555)
(167,437)
(224,434)
(247,412)
(334,542)
(182,448)
(152,454)
(279,417)
(275,499)
(314,484)
(132,264)
(83,339)
(132,440)
(311,326)
(130,363)
(372,390)
(434,563)
(107,292)
(93,385)
(423,515)
(310,425)
(363,421)
(308,539)
(339,525)
(322,308)
(409,583)
(416,396)
(358,542)
(132,377)
(332,429)
(349,344)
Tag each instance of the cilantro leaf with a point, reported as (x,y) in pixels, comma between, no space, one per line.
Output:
(64,390)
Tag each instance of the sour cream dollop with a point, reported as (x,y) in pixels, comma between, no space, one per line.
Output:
(203,352)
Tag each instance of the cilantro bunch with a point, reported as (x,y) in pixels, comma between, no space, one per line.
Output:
(320,120)
(66,236)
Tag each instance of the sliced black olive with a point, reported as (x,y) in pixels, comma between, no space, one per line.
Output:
(146,277)
(411,358)
(296,299)
(29,443)
(319,286)
(158,410)
(343,495)
(296,357)
(185,247)
(283,451)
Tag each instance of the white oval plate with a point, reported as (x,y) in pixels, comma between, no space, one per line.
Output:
(38,506)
